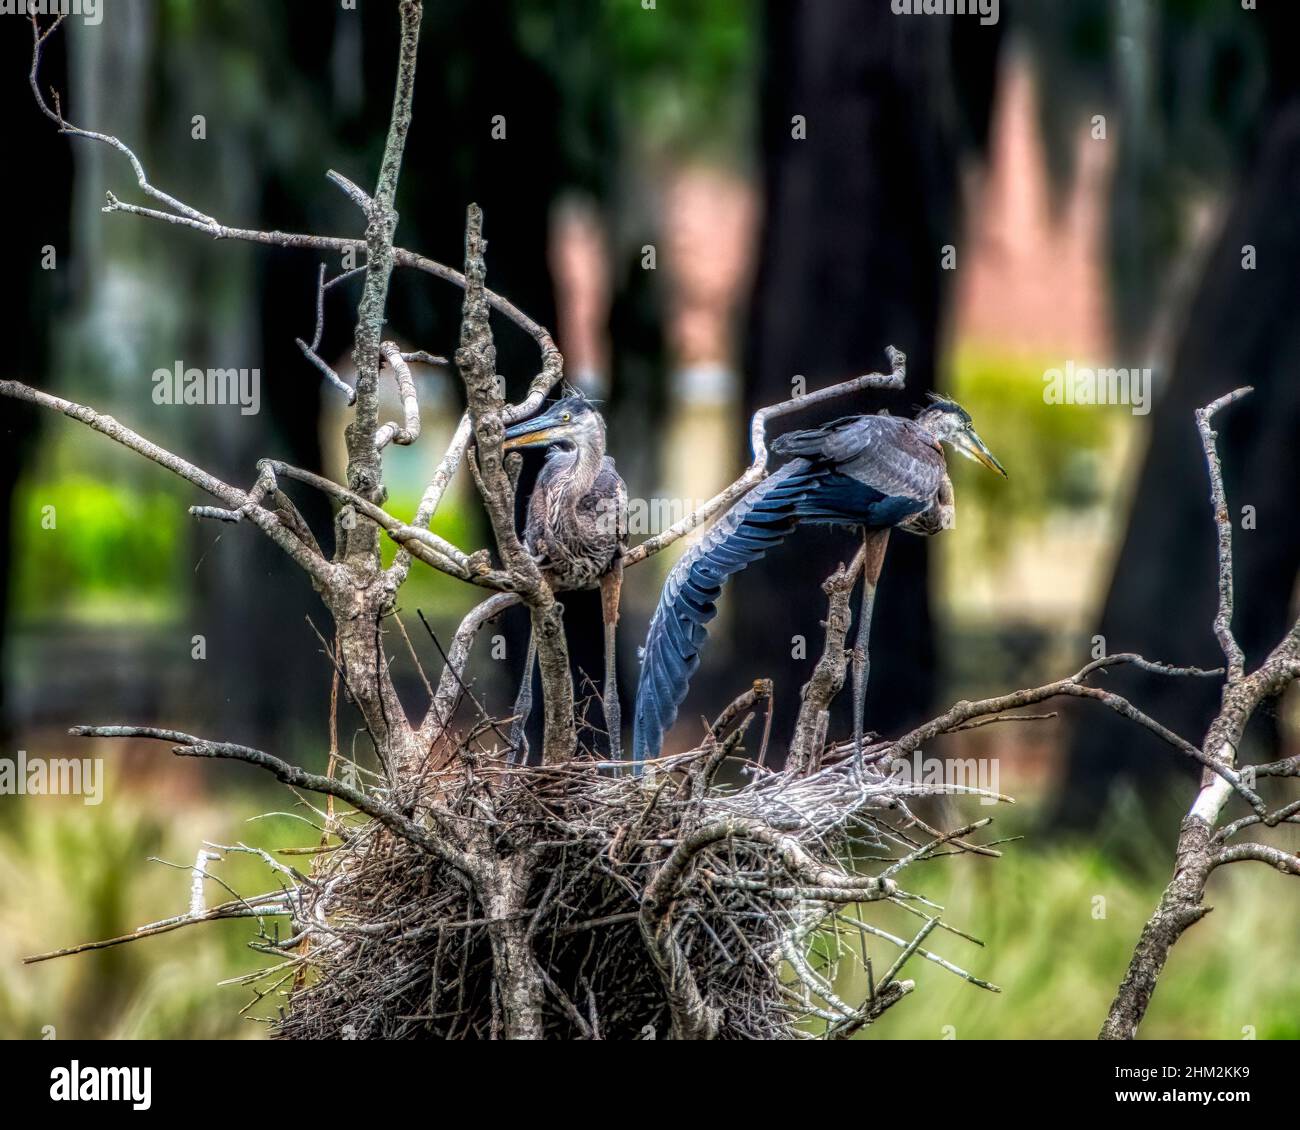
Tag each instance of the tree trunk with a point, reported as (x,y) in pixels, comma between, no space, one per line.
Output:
(1240,330)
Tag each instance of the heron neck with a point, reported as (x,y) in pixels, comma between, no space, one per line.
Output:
(580,469)
(587,466)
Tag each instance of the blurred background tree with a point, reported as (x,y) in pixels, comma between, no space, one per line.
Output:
(1206,102)
(864,115)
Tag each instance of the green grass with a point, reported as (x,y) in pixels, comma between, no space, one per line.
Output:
(72,873)
(1058,926)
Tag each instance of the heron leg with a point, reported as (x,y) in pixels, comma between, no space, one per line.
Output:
(611,585)
(874,543)
(523,706)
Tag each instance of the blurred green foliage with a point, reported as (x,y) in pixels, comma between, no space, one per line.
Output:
(112,551)
(1066,445)
(443,599)
(74,873)
(683,72)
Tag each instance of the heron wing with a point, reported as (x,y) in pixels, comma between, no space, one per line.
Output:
(889,454)
(688,601)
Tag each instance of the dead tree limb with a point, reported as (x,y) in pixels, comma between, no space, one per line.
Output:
(187,745)
(303,554)
(451,683)
(476,359)
(1198,851)
(827,679)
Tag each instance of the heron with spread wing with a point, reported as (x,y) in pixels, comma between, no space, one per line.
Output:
(875,473)
(576,531)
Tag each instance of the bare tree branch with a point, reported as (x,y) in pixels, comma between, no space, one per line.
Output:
(1223,523)
(757,470)
(476,360)
(407,433)
(310,351)
(320,570)
(271,904)
(1282,861)
(963,712)
(451,682)
(56,116)
(365,465)
(1182,903)
(187,745)
(827,679)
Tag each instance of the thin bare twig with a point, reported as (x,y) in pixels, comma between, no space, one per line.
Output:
(187,745)
(757,469)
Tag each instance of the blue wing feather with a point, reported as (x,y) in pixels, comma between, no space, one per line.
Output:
(799,491)
(761,520)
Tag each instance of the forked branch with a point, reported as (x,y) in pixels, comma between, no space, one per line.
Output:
(1198,851)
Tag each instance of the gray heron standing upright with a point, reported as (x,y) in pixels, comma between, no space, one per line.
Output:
(576,530)
(870,472)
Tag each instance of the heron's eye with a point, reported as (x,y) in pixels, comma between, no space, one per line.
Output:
(564,417)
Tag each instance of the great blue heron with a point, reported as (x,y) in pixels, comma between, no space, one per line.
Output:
(871,472)
(576,531)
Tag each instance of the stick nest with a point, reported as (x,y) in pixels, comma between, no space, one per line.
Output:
(660,906)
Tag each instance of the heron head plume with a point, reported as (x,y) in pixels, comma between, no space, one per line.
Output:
(571,423)
(948,422)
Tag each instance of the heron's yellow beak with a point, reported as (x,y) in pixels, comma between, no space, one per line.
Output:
(531,436)
(970,445)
